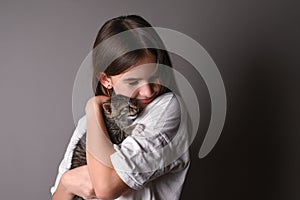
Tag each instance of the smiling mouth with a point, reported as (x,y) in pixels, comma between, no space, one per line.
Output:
(146,101)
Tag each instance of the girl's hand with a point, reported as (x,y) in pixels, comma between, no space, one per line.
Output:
(95,103)
(77,181)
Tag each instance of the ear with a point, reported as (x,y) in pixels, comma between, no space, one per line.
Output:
(106,107)
(105,80)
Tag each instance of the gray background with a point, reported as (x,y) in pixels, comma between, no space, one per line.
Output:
(254,44)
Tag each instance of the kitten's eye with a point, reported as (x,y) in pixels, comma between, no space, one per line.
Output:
(134,83)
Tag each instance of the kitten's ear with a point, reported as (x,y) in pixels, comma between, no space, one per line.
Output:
(106,107)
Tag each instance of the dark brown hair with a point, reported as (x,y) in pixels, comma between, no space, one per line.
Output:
(115,52)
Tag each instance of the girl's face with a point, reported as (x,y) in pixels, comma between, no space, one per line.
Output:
(140,81)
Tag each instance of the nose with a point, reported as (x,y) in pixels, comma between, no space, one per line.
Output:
(146,90)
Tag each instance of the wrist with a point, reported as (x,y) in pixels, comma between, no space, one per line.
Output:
(62,192)
(64,182)
(94,104)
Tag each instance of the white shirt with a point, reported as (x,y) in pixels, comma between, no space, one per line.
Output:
(154,162)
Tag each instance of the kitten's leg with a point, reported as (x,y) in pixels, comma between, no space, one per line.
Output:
(134,129)
(138,129)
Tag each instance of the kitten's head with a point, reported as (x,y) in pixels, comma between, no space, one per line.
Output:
(123,110)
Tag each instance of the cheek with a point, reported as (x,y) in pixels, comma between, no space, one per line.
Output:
(156,87)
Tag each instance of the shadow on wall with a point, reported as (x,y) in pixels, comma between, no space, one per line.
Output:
(250,159)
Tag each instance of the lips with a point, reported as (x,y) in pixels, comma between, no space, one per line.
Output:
(146,101)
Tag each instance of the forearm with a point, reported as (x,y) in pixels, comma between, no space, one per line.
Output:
(107,184)
(98,144)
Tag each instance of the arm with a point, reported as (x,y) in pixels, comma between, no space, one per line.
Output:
(107,184)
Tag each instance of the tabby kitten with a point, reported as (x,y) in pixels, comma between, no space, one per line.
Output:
(118,113)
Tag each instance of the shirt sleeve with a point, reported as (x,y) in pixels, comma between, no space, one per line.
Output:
(142,157)
(66,161)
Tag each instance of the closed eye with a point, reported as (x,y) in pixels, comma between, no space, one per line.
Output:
(133,83)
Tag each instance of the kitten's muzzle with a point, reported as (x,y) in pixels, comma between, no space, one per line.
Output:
(133,113)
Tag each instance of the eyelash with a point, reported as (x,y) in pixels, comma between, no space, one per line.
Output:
(134,83)
(152,79)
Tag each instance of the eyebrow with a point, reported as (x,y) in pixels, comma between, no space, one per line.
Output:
(138,79)
(132,79)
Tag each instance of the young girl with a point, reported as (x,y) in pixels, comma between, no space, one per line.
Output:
(138,168)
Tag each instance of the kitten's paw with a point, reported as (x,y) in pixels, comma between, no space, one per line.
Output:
(138,128)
